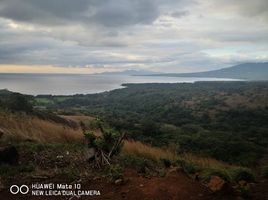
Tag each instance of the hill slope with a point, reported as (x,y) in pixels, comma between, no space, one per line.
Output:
(248,71)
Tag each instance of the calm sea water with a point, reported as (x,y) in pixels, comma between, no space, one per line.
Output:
(67,84)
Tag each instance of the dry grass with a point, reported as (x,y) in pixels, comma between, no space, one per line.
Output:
(25,127)
(141,149)
(78,118)
(204,162)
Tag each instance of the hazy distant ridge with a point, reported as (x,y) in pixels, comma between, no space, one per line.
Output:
(130,72)
(249,71)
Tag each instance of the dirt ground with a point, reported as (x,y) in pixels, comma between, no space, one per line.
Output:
(174,186)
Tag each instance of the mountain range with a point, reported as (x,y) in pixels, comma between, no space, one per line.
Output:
(130,72)
(246,71)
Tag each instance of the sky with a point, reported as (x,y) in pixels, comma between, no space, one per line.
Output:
(92,36)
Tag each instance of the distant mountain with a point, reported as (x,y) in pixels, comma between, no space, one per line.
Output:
(130,72)
(248,71)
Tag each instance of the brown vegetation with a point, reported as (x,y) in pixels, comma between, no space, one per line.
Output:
(156,153)
(20,126)
(141,149)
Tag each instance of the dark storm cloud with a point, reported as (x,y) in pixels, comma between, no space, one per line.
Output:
(122,12)
(102,12)
(40,11)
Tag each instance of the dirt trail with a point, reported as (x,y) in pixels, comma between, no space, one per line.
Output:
(174,186)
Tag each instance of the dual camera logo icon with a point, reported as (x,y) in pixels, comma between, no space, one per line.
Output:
(15,189)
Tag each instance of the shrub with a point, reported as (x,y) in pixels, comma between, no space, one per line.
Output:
(141,164)
(114,172)
(222,173)
(107,145)
(106,142)
(19,103)
(188,167)
(165,162)
(239,174)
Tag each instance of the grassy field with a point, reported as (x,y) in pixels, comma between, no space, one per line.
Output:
(25,127)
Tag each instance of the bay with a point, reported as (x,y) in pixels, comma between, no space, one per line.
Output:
(69,84)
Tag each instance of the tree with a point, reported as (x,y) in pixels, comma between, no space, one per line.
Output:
(104,147)
(19,103)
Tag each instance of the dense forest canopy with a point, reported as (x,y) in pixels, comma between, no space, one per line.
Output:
(225,120)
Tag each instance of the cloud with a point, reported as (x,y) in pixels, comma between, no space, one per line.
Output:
(248,8)
(180,13)
(101,12)
(163,35)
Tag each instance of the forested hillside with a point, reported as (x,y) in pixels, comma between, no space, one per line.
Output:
(225,120)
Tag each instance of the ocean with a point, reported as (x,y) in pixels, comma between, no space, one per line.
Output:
(68,84)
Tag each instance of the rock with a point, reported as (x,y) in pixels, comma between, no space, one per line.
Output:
(59,157)
(141,185)
(174,171)
(90,154)
(216,183)
(9,155)
(119,181)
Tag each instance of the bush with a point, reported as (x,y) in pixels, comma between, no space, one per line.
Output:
(166,162)
(222,173)
(239,174)
(19,103)
(188,167)
(140,163)
(106,142)
(230,175)
(114,172)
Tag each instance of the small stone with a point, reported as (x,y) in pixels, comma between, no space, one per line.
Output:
(119,181)
(174,171)
(141,185)
(59,157)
